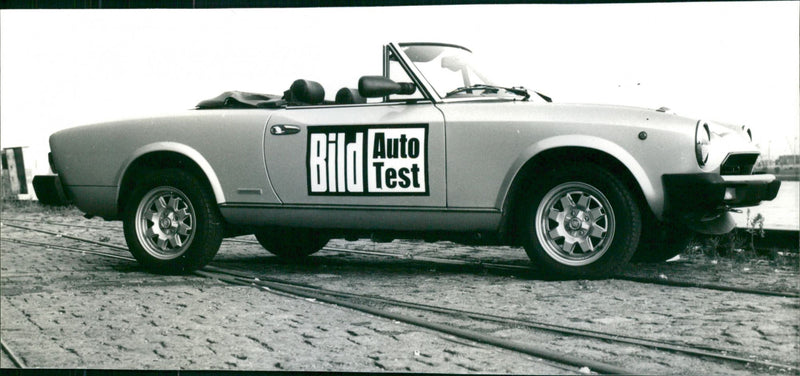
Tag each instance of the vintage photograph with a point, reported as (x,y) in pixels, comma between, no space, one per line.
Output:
(607,188)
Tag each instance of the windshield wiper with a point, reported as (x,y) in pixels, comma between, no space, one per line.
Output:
(521,91)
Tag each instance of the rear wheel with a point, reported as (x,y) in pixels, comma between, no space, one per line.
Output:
(171,222)
(581,222)
(291,243)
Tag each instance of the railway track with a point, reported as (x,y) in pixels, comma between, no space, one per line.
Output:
(299,290)
(368,303)
(18,363)
(520,269)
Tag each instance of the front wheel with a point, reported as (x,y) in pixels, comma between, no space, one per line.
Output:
(581,222)
(171,222)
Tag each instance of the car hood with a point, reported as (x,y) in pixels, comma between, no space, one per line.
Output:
(633,116)
(582,114)
(737,136)
(607,113)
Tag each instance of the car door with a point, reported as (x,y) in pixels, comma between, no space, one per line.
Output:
(371,154)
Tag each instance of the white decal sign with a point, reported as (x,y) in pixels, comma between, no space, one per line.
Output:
(368,160)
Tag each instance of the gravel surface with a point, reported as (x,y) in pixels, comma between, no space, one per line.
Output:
(71,310)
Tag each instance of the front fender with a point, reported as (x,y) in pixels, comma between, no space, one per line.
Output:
(653,192)
(179,148)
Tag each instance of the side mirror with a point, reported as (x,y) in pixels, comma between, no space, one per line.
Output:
(379,86)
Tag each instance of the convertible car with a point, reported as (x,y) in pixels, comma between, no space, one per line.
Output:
(432,149)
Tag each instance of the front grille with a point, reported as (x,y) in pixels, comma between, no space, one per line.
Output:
(738,164)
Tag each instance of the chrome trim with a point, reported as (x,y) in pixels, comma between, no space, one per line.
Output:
(760,178)
(368,104)
(356,207)
(403,44)
(249,191)
(698,146)
(283,129)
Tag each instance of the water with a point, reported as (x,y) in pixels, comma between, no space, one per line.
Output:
(782,213)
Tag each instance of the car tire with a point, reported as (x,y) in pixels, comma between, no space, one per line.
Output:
(661,241)
(291,243)
(580,222)
(171,222)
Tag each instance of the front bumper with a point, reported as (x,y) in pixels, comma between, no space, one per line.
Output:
(701,201)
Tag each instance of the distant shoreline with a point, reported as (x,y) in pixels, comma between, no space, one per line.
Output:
(788,177)
(784,173)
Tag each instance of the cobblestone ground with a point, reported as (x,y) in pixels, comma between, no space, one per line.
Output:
(72,310)
(68,310)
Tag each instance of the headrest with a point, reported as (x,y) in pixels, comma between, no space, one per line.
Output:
(306,91)
(347,95)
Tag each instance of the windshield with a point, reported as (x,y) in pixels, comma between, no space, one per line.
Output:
(449,69)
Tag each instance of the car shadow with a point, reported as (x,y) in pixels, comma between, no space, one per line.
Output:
(345,265)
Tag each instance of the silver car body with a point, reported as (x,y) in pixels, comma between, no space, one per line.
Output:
(460,157)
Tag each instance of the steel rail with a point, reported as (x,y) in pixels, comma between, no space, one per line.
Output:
(65,236)
(771,232)
(14,359)
(267,282)
(458,332)
(689,349)
(67,249)
(334,249)
(784,237)
(463,333)
(673,283)
(654,281)
(63,224)
(205,274)
(709,286)
(438,260)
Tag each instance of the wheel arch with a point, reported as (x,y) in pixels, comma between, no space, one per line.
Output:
(548,154)
(165,155)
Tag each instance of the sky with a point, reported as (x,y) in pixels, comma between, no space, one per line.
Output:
(733,62)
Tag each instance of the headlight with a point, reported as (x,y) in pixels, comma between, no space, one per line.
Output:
(701,139)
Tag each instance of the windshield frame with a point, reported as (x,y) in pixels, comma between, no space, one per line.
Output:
(426,85)
(405,62)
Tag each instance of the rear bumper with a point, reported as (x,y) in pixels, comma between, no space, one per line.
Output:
(92,200)
(49,190)
(701,201)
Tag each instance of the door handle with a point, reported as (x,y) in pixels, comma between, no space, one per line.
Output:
(282,129)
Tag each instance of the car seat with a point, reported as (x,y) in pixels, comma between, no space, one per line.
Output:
(304,93)
(349,96)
